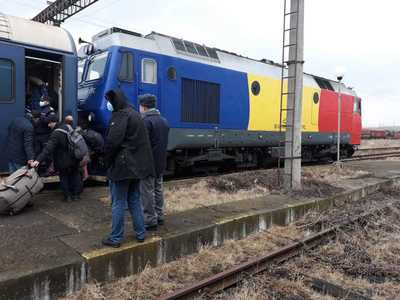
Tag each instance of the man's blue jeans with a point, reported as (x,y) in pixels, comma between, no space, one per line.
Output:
(122,192)
(12,166)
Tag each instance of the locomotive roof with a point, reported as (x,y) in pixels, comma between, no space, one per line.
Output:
(33,33)
(169,45)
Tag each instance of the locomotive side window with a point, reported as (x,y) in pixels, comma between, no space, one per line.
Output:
(126,69)
(6,80)
(316,98)
(149,71)
(171,73)
(255,88)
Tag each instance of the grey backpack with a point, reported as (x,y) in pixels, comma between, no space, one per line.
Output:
(76,142)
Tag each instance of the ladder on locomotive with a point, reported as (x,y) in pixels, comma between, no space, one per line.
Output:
(286,61)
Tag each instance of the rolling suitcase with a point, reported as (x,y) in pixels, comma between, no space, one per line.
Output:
(17,190)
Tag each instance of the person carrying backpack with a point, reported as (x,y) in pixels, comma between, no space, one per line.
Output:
(67,149)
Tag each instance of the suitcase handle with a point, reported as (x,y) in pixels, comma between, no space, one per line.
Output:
(11,187)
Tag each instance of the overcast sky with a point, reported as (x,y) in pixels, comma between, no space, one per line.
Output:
(358,35)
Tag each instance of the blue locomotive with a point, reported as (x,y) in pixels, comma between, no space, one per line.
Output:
(34,56)
(221,107)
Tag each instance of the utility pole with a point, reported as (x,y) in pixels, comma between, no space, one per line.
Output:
(294,78)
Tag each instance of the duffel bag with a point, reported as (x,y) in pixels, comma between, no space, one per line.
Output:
(18,189)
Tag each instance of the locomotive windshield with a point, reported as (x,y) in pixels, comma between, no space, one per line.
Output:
(81,66)
(96,65)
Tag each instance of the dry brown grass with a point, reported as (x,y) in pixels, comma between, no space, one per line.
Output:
(153,282)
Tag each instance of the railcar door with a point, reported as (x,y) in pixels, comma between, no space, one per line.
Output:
(12,91)
(148,81)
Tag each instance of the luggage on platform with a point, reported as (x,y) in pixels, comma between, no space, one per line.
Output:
(17,190)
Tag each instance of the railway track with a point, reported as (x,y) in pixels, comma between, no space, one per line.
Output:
(237,274)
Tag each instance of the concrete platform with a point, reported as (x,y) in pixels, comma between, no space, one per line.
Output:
(54,248)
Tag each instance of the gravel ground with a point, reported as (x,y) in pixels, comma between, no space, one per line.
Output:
(153,282)
(379,143)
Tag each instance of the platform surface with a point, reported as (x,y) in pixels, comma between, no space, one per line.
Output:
(53,233)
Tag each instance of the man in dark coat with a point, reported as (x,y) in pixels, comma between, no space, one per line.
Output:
(58,148)
(128,157)
(151,188)
(19,148)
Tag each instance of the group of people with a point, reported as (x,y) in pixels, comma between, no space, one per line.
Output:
(134,152)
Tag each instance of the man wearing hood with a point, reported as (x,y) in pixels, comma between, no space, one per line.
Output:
(128,158)
(151,188)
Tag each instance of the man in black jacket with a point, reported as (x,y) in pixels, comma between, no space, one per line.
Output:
(20,150)
(65,163)
(128,157)
(151,188)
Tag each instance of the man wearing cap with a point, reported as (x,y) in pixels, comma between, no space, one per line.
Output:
(151,188)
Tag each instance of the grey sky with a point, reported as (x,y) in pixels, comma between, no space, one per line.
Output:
(355,34)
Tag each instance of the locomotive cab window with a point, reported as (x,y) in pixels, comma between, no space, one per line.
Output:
(6,80)
(149,71)
(126,68)
(357,105)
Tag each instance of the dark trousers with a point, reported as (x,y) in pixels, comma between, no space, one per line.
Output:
(70,181)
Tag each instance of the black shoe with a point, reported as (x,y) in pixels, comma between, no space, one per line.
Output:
(66,199)
(160,222)
(107,242)
(76,198)
(151,228)
(140,240)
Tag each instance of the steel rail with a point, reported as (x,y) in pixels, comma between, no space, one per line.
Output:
(372,156)
(378,149)
(236,274)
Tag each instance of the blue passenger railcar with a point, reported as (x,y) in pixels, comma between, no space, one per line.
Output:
(32,52)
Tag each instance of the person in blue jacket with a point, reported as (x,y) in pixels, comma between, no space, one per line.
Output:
(20,150)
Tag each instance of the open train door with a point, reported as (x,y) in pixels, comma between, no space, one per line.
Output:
(12,91)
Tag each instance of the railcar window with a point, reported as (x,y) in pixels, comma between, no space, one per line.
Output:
(126,69)
(324,84)
(255,88)
(96,66)
(6,80)
(200,101)
(316,98)
(149,71)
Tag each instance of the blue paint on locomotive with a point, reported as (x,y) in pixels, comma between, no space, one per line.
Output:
(234,103)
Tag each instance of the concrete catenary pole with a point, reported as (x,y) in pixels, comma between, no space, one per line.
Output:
(294,97)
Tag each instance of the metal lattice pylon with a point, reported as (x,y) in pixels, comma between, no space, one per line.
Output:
(291,93)
(60,10)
